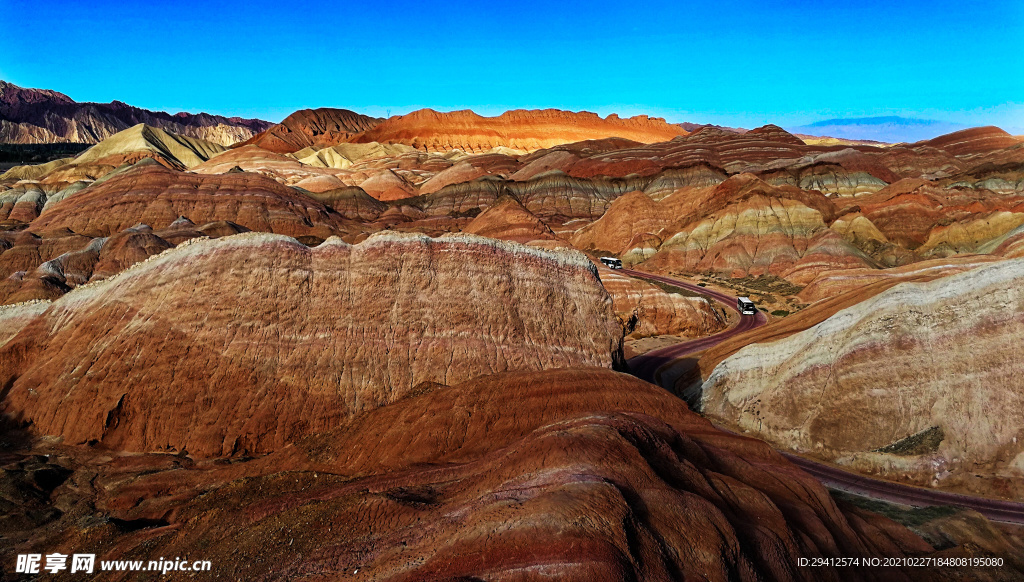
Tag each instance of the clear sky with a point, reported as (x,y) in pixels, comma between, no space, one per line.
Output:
(740,63)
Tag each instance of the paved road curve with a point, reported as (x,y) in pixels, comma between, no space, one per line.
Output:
(646,367)
(994,509)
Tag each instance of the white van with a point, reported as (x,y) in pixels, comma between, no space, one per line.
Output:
(745,306)
(612,262)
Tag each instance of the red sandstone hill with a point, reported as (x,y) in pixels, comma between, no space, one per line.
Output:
(975,140)
(578,474)
(316,128)
(248,342)
(157,196)
(43,116)
(430,130)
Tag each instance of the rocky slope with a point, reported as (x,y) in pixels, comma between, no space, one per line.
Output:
(142,140)
(44,270)
(42,116)
(744,226)
(972,141)
(919,382)
(574,474)
(430,130)
(627,217)
(315,128)
(507,219)
(243,336)
(157,196)
(647,310)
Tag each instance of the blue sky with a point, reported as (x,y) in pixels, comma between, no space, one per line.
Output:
(735,63)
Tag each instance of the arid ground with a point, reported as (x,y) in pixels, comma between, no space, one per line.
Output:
(344,347)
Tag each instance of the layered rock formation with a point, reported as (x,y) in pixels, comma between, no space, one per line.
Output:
(649,311)
(42,116)
(15,317)
(744,226)
(100,258)
(629,215)
(140,141)
(430,130)
(507,219)
(972,141)
(242,337)
(157,196)
(576,474)
(344,155)
(866,386)
(316,128)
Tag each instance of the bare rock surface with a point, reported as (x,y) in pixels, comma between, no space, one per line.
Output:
(507,219)
(254,339)
(157,196)
(573,474)
(935,363)
(660,312)
(430,130)
(44,116)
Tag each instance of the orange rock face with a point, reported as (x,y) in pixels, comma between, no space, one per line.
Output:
(225,333)
(312,127)
(157,196)
(628,216)
(651,311)
(523,130)
(507,219)
(576,474)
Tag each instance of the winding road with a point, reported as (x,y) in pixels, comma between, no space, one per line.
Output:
(648,366)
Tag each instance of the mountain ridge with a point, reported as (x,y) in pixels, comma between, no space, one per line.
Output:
(32,116)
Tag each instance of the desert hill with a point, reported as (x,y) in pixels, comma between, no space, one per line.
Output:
(43,116)
(375,320)
(556,464)
(861,387)
(507,219)
(388,396)
(972,141)
(316,128)
(157,196)
(130,144)
(431,130)
(887,207)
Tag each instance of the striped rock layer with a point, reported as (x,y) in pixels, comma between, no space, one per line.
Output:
(243,343)
(861,387)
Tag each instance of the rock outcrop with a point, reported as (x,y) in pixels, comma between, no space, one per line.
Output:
(157,196)
(629,215)
(249,342)
(43,116)
(647,310)
(507,219)
(579,474)
(863,386)
(316,128)
(430,130)
(744,226)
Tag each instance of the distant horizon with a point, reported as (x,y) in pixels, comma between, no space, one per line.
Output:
(851,128)
(736,63)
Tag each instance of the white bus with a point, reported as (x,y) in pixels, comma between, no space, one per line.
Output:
(612,262)
(745,306)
